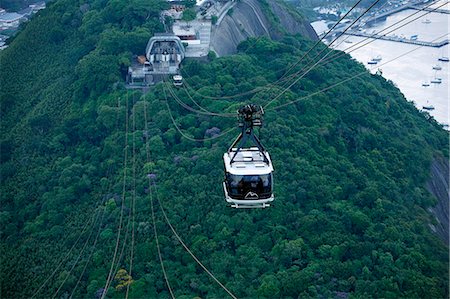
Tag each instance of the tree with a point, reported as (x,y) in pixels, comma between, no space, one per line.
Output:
(189,15)
(122,280)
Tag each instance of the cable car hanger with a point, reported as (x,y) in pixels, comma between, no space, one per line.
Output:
(249,116)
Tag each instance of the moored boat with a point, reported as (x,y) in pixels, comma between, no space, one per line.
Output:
(436,81)
(377,58)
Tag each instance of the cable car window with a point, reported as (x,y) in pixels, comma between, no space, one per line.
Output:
(239,185)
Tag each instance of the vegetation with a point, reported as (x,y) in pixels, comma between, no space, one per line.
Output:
(214,19)
(350,217)
(189,15)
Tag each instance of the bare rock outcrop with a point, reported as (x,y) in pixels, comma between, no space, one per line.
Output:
(291,22)
(438,185)
(249,19)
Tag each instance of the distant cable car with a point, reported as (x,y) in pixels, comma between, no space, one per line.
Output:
(248,170)
(177,80)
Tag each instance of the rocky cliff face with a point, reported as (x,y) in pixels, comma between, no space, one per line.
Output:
(438,185)
(250,19)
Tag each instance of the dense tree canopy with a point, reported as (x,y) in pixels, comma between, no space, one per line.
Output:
(350,217)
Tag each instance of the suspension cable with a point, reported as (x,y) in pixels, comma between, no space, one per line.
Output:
(155,230)
(97,215)
(320,40)
(63,259)
(177,99)
(378,8)
(340,54)
(187,136)
(332,42)
(110,278)
(90,254)
(133,206)
(187,248)
(373,37)
(76,242)
(349,79)
(127,231)
(167,219)
(288,68)
(304,74)
(194,101)
(108,189)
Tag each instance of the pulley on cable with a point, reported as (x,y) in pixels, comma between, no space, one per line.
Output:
(248,169)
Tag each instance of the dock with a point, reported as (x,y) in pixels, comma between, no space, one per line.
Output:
(384,15)
(439,10)
(397,39)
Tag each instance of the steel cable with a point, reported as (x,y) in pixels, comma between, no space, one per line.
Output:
(187,248)
(304,74)
(348,79)
(109,279)
(186,136)
(155,231)
(289,68)
(373,37)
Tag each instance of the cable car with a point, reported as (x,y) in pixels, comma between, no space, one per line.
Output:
(177,80)
(248,169)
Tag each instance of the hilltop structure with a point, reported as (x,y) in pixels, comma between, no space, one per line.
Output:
(163,55)
(219,27)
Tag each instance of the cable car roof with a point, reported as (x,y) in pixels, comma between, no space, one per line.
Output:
(248,161)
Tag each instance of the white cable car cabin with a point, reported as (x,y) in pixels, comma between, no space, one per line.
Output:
(248,171)
(177,80)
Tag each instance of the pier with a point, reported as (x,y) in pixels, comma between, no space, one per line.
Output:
(439,10)
(397,39)
(384,15)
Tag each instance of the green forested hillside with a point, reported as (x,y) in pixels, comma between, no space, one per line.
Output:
(350,217)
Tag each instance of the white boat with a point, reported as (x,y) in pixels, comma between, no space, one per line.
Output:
(414,37)
(437,67)
(377,58)
(426,84)
(372,62)
(436,81)
(443,58)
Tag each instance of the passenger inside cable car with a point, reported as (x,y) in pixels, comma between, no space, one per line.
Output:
(240,185)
